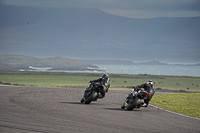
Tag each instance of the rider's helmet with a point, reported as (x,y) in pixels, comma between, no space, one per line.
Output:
(150,82)
(105,76)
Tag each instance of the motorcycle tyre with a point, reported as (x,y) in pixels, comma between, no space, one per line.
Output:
(134,104)
(91,97)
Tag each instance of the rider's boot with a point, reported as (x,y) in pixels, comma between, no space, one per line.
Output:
(146,103)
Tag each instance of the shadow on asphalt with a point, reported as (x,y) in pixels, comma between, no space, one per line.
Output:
(72,102)
(93,103)
(119,109)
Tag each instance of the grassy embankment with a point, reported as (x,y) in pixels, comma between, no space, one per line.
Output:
(184,103)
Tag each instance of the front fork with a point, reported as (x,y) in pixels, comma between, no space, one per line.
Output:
(127,102)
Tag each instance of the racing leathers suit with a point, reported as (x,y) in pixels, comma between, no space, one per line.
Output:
(150,89)
(105,84)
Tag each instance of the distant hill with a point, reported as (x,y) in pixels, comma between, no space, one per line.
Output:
(127,62)
(94,34)
(121,62)
(107,62)
(27,63)
(17,62)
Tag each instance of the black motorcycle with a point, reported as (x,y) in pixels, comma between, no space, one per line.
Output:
(92,93)
(135,100)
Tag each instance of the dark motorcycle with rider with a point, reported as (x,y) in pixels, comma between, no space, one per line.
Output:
(138,97)
(96,89)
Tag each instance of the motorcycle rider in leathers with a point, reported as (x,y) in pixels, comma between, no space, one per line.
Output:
(105,84)
(148,87)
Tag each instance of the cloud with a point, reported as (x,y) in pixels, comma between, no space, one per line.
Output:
(156,8)
(126,8)
(151,14)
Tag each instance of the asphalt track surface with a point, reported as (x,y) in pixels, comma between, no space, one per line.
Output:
(58,110)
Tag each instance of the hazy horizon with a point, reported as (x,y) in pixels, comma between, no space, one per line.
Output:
(102,29)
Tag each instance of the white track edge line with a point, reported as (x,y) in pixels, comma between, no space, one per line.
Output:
(173,112)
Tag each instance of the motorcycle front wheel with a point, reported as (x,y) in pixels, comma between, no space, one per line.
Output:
(134,104)
(91,97)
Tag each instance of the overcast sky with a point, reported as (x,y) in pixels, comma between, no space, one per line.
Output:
(126,8)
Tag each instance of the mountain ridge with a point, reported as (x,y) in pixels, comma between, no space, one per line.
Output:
(27,63)
(19,62)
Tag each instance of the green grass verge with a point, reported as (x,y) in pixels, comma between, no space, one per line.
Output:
(183,103)
(124,81)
